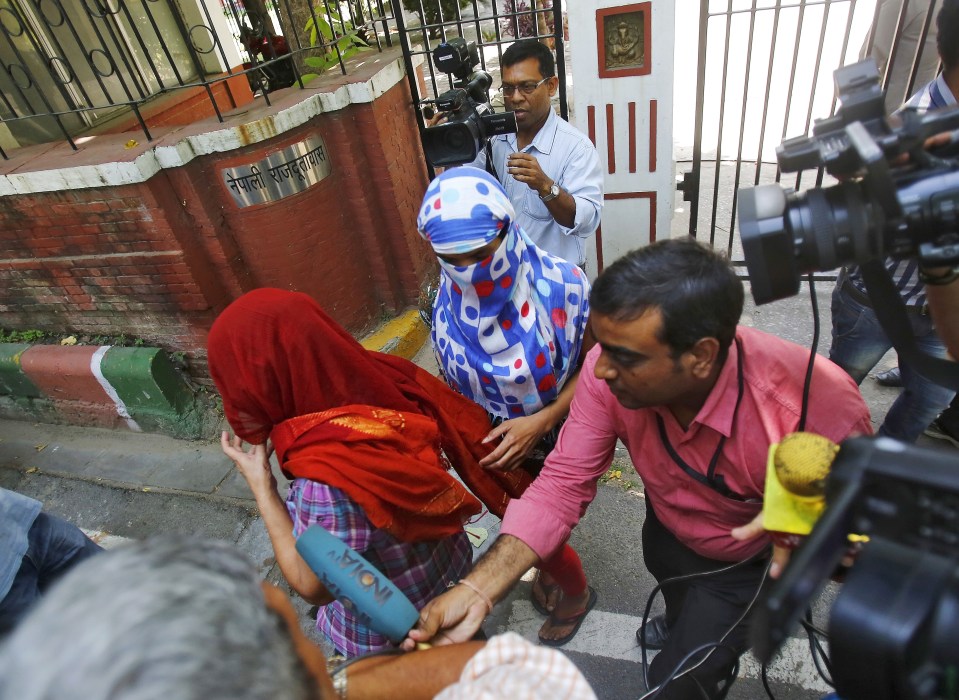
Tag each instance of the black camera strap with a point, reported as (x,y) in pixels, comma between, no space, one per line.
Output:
(710,479)
(891,312)
(490,167)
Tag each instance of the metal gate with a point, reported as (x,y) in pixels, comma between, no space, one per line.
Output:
(764,72)
(492,24)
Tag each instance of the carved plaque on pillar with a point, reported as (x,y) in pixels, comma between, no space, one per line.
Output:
(623,40)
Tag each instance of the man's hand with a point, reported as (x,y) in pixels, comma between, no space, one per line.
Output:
(451,618)
(519,436)
(525,168)
(254,465)
(755,529)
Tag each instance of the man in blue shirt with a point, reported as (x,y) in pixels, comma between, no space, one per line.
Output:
(35,550)
(549,169)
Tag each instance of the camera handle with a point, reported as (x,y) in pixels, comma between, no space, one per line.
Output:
(878,177)
(891,312)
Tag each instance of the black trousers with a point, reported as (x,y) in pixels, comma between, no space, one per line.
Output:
(698,612)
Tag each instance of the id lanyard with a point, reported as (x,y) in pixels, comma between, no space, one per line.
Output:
(710,480)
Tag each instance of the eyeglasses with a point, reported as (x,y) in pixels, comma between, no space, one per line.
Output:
(525,88)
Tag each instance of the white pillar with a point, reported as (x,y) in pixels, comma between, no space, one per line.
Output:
(622,66)
(193,14)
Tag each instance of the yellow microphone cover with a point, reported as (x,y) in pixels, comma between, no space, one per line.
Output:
(801,462)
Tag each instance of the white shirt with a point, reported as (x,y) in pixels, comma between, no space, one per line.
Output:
(510,667)
(569,158)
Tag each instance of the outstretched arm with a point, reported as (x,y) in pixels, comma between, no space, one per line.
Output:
(412,676)
(456,615)
(254,465)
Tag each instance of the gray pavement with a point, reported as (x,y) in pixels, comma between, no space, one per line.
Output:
(133,485)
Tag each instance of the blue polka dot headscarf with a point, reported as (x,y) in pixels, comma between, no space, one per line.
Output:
(507,331)
(463,209)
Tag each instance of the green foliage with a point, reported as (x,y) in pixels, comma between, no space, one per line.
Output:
(67,338)
(29,336)
(337,37)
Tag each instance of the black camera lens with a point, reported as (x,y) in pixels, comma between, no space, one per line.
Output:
(452,143)
(786,235)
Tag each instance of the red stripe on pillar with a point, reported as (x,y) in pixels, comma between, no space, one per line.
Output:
(632,137)
(591,123)
(652,138)
(599,248)
(610,140)
(652,218)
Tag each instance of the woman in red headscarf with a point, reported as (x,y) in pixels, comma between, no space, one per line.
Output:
(368,440)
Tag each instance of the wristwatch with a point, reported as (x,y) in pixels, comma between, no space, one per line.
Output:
(553,193)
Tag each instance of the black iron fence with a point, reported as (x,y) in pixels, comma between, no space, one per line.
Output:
(492,24)
(764,73)
(69,65)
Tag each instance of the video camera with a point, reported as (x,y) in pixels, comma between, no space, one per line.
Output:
(470,120)
(880,208)
(894,628)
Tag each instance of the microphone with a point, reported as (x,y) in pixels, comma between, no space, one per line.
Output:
(794,498)
(357,584)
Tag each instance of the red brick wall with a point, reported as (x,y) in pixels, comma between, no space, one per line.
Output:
(161,258)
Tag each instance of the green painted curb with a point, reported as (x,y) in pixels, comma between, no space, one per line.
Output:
(155,395)
(12,379)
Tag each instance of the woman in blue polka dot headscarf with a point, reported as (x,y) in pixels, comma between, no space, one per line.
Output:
(508,331)
(509,318)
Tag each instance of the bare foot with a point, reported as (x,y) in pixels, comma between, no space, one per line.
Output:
(546,592)
(565,617)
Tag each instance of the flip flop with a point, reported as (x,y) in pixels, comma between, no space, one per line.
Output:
(548,590)
(577,618)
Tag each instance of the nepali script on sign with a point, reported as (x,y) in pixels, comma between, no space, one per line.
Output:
(281,174)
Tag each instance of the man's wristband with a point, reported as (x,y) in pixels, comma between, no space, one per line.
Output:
(947,277)
(485,598)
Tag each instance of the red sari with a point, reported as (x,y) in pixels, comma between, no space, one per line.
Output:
(367,423)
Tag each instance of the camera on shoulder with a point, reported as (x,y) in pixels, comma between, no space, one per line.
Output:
(470,120)
(884,205)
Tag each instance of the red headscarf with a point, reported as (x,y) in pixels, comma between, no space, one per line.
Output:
(361,421)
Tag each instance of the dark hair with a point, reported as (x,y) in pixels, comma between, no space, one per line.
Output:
(695,289)
(947,38)
(530,48)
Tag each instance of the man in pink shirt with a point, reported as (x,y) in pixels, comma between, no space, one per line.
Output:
(697,400)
